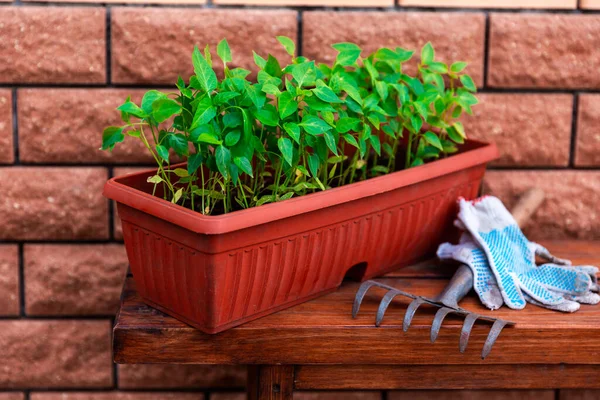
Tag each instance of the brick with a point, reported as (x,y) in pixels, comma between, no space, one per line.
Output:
(118,228)
(116,396)
(12,396)
(53,44)
(50,353)
(155,376)
(169,2)
(310,3)
(570,210)
(74,279)
(579,394)
(9,280)
(544,50)
(6,127)
(472,394)
(49,133)
(155,45)
(529,129)
(455,36)
(53,203)
(590,4)
(587,148)
(337,395)
(545,4)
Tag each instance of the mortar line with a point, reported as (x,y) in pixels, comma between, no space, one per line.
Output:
(486,50)
(573,144)
(15,126)
(21,264)
(108,45)
(300,34)
(111,210)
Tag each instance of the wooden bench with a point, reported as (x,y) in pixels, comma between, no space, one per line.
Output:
(317,345)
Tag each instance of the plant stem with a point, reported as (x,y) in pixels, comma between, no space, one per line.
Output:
(408,150)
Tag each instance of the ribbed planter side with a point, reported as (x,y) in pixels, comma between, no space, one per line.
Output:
(217,281)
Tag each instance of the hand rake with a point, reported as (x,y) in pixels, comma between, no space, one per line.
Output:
(447,301)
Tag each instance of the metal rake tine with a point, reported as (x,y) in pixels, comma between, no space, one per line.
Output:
(385,302)
(492,336)
(466,331)
(410,312)
(436,325)
(360,294)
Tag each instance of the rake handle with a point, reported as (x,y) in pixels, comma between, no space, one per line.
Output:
(462,281)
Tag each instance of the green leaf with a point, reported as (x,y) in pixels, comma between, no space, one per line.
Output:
(194,162)
(162,152)
(416,122)
(293,130)
(165,108)
(272,67)
(303,73)
(346,124)
(348,53)
(223,159)
(352,92)
(382,90)
(111,136)
(433,139)
(324,92)
(416,162)
(454,135)
(204,72)
(258,60)
(257,96)
(205,112)
(286,148)
(427,54)
(208,138)
(288,44)
(180,172)
(177,196)
(314,125)
(351,140)
(313,164)
(131,108)
(330,142)
(224,97)
(374,139)
(373,73)
(232,138)
(268,117)
(287,105)
(149,98)
(460,129)
(269,88)
(438,67)
(154,179)
(244,164)
(458,66)
(179,143)
(468,83)
(223,51)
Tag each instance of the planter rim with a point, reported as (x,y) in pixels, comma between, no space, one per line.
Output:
(115,189)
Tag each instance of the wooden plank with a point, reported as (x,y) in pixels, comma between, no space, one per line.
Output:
(271,382)
(370,377)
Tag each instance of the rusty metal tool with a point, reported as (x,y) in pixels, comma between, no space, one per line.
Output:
(458,287)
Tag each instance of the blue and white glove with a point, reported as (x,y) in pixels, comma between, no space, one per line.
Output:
(511,258)
(484,282)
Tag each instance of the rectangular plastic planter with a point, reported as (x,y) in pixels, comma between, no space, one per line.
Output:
(216,272)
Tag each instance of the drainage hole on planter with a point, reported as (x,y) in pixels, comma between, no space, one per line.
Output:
(276,388)
(356,272)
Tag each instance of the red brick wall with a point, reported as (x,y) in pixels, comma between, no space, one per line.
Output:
(65,67)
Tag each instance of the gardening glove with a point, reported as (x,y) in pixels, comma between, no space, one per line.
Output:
(512,260)
(484,282)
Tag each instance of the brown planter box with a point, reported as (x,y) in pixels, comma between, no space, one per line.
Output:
(216,272)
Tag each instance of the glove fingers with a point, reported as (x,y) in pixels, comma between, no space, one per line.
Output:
(565,306)
(484,282)
(539,292)
(587,298)
(561,279)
